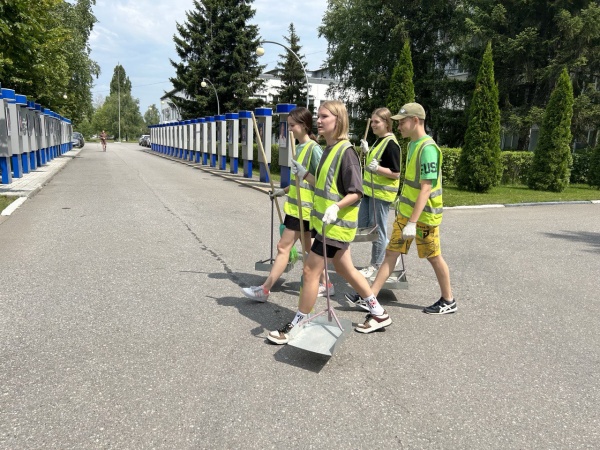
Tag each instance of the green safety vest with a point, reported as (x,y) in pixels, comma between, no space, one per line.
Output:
(432,213)
(326,194)
(290,207)
(385,188)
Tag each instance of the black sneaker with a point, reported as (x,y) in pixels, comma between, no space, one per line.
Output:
(441,307)
(357,300)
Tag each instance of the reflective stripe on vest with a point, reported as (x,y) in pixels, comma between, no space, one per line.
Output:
(290,206)
(432,212)
(326,194)
(386,189)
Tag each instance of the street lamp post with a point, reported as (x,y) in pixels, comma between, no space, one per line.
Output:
(261,51)
(203,84)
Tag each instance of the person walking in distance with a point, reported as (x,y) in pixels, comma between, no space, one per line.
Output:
(381,182)
(338,190)
(419,210)
(309,154)
(103,140)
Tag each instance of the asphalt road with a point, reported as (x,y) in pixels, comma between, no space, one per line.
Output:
(122,326)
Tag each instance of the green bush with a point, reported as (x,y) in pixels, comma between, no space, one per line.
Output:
(450,158)
(515,167)
(274,158)
(594,172)
(581,165)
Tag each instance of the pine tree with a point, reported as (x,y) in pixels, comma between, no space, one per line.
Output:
(293,87)
(550,168)
(402,88)
(480,163)
(216,42)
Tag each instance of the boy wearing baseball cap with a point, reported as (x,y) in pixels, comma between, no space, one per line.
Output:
(419,209)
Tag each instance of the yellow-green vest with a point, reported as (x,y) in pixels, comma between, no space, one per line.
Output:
(290,207)
(432,213)
(326,194)
(385,188)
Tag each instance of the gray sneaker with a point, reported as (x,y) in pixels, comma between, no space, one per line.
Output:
(256,293)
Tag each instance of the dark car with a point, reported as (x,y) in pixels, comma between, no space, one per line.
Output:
(77,139)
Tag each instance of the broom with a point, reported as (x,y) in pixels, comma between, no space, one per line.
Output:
(293,253)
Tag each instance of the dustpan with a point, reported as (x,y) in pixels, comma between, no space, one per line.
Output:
(322,332)
(397,279)
(267,264)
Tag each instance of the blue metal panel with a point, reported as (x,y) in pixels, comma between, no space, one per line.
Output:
(284,108)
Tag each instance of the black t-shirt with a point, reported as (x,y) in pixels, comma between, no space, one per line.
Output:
(390,157)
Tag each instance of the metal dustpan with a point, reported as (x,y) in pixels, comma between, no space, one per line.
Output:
(322,332)
(397,279)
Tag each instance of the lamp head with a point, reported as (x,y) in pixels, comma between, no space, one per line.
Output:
(65,96)
(203,84)
(260,51)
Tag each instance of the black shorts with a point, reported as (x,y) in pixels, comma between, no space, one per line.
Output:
(317,248)
(293,223)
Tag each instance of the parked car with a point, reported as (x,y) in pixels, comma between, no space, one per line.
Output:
(77,139)
(145,140)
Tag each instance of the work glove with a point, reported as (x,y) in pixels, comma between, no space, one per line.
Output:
(331,213)
(278,192)
(373,166)
(298,169)
(364,146)
(409,231)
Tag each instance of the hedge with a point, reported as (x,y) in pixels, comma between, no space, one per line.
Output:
(515,164)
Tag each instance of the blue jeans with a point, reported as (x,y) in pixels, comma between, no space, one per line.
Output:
(367,218)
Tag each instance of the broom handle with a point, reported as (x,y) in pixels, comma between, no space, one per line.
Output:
(371,173)
(299,200)
(264,155)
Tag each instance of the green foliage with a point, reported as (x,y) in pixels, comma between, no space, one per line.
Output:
(293,81)
(151,116)
(480,166)
(516,166)
(44,53)
(120,113)
(594,171)
(450,158)
(550,169)
(581,166)
(363,38)
(218,43)
(402,89)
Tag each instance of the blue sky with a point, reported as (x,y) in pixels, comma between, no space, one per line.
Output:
(139,35)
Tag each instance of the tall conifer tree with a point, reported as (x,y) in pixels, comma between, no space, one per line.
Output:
(218,43)
(480,163)
(402,88)
(293,88)
(550,168)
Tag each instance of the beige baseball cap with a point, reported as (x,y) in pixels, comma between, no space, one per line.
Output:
(410,110)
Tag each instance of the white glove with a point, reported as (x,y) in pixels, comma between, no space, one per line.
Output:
(409,231)
(364,146)
(278,192)
(373,166)
(331,213)
(298,169)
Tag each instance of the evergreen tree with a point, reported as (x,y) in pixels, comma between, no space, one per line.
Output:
(291,72)
(120,113)
(594,170)
(552,160)
(402,89)
(218,43)
(480,163)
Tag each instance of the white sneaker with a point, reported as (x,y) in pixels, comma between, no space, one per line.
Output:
(368,271)
(323,290)
(256,293)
